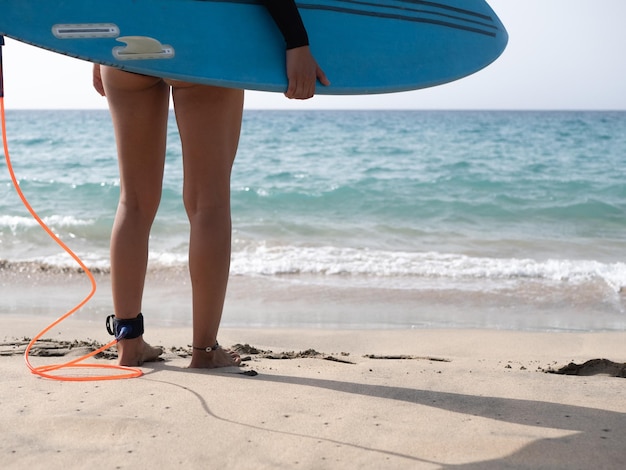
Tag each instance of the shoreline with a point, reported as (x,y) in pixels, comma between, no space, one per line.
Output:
(299,302)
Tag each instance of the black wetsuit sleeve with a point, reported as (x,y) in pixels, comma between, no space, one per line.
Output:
(287,17)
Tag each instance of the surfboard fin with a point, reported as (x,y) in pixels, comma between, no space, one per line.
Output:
(141,48)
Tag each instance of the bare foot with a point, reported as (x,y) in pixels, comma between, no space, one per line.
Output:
(212,360)
(134,352)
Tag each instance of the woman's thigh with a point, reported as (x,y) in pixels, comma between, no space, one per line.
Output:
(139,108)
(209,123)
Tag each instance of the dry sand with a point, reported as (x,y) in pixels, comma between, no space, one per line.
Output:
(475,399)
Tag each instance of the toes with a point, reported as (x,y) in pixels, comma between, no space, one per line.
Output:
(231,357)
(235,357)
(151,354)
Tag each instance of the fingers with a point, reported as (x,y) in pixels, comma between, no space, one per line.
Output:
(302,74)
(321,76)
(300,89)
(97,80)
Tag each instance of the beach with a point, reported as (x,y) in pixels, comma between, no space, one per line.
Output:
(401,289)
(322,398)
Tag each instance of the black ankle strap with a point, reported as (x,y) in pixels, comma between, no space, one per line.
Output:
(125,329)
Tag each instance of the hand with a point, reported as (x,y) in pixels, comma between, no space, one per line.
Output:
(97,79)
(303,73)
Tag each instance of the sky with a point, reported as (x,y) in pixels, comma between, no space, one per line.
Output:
(562,54)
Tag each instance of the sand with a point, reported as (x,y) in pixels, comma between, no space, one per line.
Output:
(323,398)
(353,399)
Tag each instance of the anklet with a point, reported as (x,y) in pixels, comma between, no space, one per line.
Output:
(209,349)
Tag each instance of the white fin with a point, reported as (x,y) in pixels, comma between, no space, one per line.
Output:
(142,47)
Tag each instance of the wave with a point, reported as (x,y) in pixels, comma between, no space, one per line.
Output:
(16,222)
(374,268)
(380,264)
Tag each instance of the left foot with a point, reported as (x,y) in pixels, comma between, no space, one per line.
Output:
(134,352)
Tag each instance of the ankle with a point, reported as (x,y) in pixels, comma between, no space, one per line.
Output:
(128,346)
(125,328)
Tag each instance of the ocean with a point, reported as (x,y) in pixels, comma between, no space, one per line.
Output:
(485,218)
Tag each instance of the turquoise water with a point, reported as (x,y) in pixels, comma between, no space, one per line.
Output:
(410,200)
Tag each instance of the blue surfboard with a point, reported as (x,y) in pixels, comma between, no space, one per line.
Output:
(364,46)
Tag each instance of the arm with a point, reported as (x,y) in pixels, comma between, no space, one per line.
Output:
(302,69)
(287,17)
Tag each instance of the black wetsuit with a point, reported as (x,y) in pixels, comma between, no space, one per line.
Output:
(287,18)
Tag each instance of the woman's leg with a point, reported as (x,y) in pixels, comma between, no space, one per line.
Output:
(209,122)
(139,108)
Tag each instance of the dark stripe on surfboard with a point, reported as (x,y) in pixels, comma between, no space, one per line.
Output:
(398,16)
(447,7)
(475,16)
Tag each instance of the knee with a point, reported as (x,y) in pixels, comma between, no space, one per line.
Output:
(210,197)
(207,211)
(140,207)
